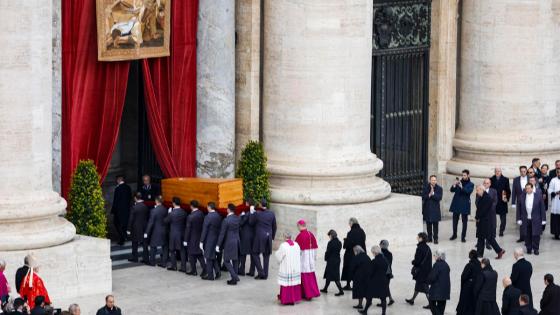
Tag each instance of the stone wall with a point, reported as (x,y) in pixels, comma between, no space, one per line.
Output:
(56,93)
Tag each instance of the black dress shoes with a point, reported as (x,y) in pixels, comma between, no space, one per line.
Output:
(192,273)
(347,287)
(231,282)
(452,238)
(218,276)
(536,252)
(519,240)
(171,268)
(358,307)
(341,293)
(410,301)
(323,290)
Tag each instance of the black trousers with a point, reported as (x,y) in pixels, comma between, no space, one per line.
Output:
(242,259)
(437,307)
(531,241)
(464,219)
(120,227)
(261,269)
(212,268)
(383,305)
(192,261)
(232,270)
(182,254)
(433,230)
(490,241)
(163,252)
(145,251)
(338,285)
(503,218)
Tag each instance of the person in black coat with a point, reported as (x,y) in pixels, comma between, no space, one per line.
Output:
(485,290)
(531,202)
(209,242)
(156,232)
(550,301)
(521,273)
(137,226)
(332,257)
(264,223)
(361,272)
(148,190)
(431,212)
(501,184)
(176,219)
(193,230)
(246,234)
(378,284)
(421,267)
(109,308)
(356,236)
(524,307)
(494,195)
(229,242)
(517,189)
(510,298)
(384,244)
(21,272)
(121,208)
(483,223)
(467,300)
(440,284)
(461,203)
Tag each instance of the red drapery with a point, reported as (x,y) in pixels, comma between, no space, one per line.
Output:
(93,94)
(170,93)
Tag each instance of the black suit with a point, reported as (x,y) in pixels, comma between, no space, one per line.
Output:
(193,231)
(510,300)
(156,232)
(550,302)
(121,209)
(209,237)
(137,226)
(246,234)
(531,229)
(501,185)
(431,211)
(527,310)
(176,220)
(484,206)
(149,192)
(485,292)
(521,273)
(229,243)
(265,231)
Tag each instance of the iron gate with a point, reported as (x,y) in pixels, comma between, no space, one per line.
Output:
(399,103)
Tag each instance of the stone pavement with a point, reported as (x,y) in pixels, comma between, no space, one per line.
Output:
(151,290)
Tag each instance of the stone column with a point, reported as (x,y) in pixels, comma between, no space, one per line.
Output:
(509,86)
(216,88)
(317,90)
(29,208)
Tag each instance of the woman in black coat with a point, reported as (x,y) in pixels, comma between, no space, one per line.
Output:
(356,236)
(378,285)
(361,272)
(384,244)
(421,267)
(467,300)
(332,257)
(485,290)
(440,284)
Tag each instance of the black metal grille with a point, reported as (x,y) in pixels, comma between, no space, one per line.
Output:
(400,76)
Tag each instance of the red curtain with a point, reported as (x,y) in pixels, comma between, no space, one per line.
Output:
(170,93)
(92,93)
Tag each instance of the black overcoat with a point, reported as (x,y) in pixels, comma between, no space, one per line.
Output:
(356,236)
(246,234)
(422,261)
(510,300)
(210,234)
(521,273)
(139,215)
(389,257)
(378,286)
(439,281)
(332,257)
(483,216)
(431,211)
(157,229)
(485,292)
(361,272)
(550,302)
(121,202)
(500,185)
(265,231)
(193,230)
(177,220)
(467,299)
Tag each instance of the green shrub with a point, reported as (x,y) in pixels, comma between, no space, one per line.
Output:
(86,203)
(252,169)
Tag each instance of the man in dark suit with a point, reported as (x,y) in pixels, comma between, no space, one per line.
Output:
(193,231)
(121,207)
(148,190)
(137,226)
(485,290)
(265,230)
(156,232)
(536,167)
(21,272)
(176,220)
(246,234)
(461,203)
(521,273)
(552,172)
(501,184)
(494,195)
(431,197)
(229,242)
(531,217)
(517,189)
(209,241)
(550,302)
(510,298)
(483,223)
(524,307)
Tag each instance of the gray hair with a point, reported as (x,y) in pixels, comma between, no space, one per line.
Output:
(2,264)
(72,308)
(376,250)
(287,235)
(384,244)
(353,221)
(519,251)
(358,250)
(440,254)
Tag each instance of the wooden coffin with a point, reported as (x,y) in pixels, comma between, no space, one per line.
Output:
(220,191)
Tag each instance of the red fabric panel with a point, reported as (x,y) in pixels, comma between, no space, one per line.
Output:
(170,93)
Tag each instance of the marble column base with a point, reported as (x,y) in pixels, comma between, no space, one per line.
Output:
(397,219)
(78,268)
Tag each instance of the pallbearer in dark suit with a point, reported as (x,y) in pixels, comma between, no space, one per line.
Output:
(550,302)
(136,228)
(209,241)
(193,230)
(156,232)
(501,184)
(246,234)
(531,217)
(148,190)
(332,257)
(176,219)
(121,207)
(265,230)
(517,189)
(483,223)
(510,298)
(431,212)
(229,242)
